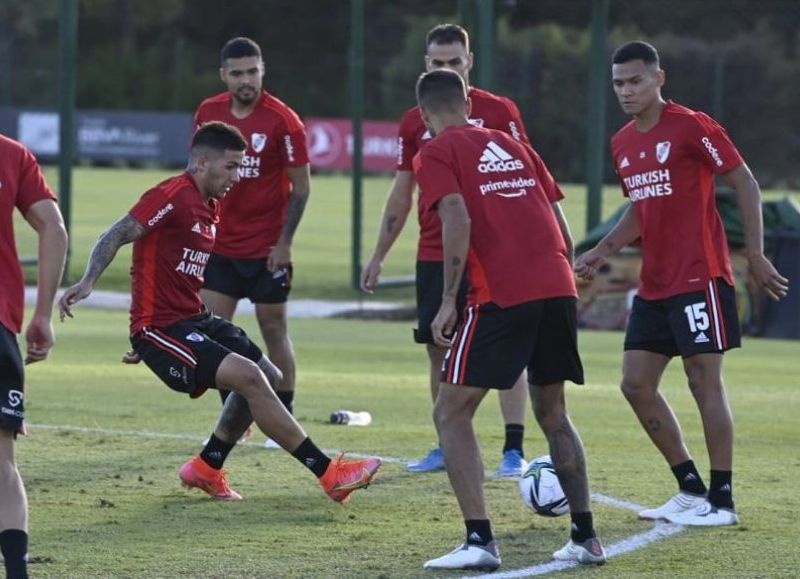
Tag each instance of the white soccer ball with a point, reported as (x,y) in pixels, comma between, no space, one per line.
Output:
(541,489)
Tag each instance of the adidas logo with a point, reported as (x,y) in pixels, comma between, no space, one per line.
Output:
(496,159)
(474,536)
(196,228)
(624,163)
(701,338)
(726,488)
(690,476)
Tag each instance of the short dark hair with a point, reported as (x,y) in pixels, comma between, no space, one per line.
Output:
(239,47)
(636,50)
(447,34)
(218,136)
(440,90)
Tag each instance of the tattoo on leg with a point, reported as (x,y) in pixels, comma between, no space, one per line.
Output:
(653,424)
(566,452)
(234,419)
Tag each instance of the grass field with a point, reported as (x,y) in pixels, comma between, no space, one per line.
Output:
(107,439)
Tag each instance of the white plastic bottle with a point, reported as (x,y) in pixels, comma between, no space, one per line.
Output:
(351,418)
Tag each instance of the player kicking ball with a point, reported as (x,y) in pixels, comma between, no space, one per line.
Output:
(172,228)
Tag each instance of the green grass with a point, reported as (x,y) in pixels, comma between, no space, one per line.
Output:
(108,504)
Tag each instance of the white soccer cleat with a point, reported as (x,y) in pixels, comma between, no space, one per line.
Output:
(270,444)
(680,503)
(473,557)
(588,552)
(705,515)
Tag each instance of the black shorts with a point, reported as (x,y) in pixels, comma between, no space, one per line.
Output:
(187,354)
(247,278)
(494,345)
(699,322)
(430,284)
(12,383)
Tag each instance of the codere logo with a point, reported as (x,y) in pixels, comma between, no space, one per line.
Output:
(495,159)
(712,150)
(161,213)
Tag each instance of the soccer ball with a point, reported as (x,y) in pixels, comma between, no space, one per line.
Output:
(541,489)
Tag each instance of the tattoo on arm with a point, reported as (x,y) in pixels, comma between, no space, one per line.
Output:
(452,284)
(123,231)
(297,205)
(391,221)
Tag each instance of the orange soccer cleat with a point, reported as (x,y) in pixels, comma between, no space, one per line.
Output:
(343,476)
(197,473)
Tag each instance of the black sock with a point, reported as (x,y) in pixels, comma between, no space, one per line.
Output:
(14,546)
(582,527)
(689,479)
(479,532)
(287,398)
(312,457)
(514,436)
(720,491)
(223,395)
(216,451)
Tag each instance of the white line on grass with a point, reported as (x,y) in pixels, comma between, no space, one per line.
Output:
(658,532)
(190,437)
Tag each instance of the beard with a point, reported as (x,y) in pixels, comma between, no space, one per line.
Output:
(246,96)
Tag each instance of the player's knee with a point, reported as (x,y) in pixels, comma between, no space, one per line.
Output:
(549,417)
(444,415)
(273,330)
(250,379)
(633,388)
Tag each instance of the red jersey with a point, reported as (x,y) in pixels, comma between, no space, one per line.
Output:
(489,111)
(254,210)
(169,260)
(516,253)
(668,175)
(21,185)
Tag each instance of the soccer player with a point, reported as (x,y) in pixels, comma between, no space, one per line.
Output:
(252,257)
(447,48)
(172,228)
(502,224)
(666,159)
(22,185)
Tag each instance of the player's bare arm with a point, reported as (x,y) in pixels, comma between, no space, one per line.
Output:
(126,230)
(395,213)
(565,231)
(625,232)
(281,254)
(455,241)
(748,195)
(45,218)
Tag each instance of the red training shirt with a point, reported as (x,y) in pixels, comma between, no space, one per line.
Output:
(169,260)
(517,252)
(254,210)
(668,175)
(21,185)
(488,110)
